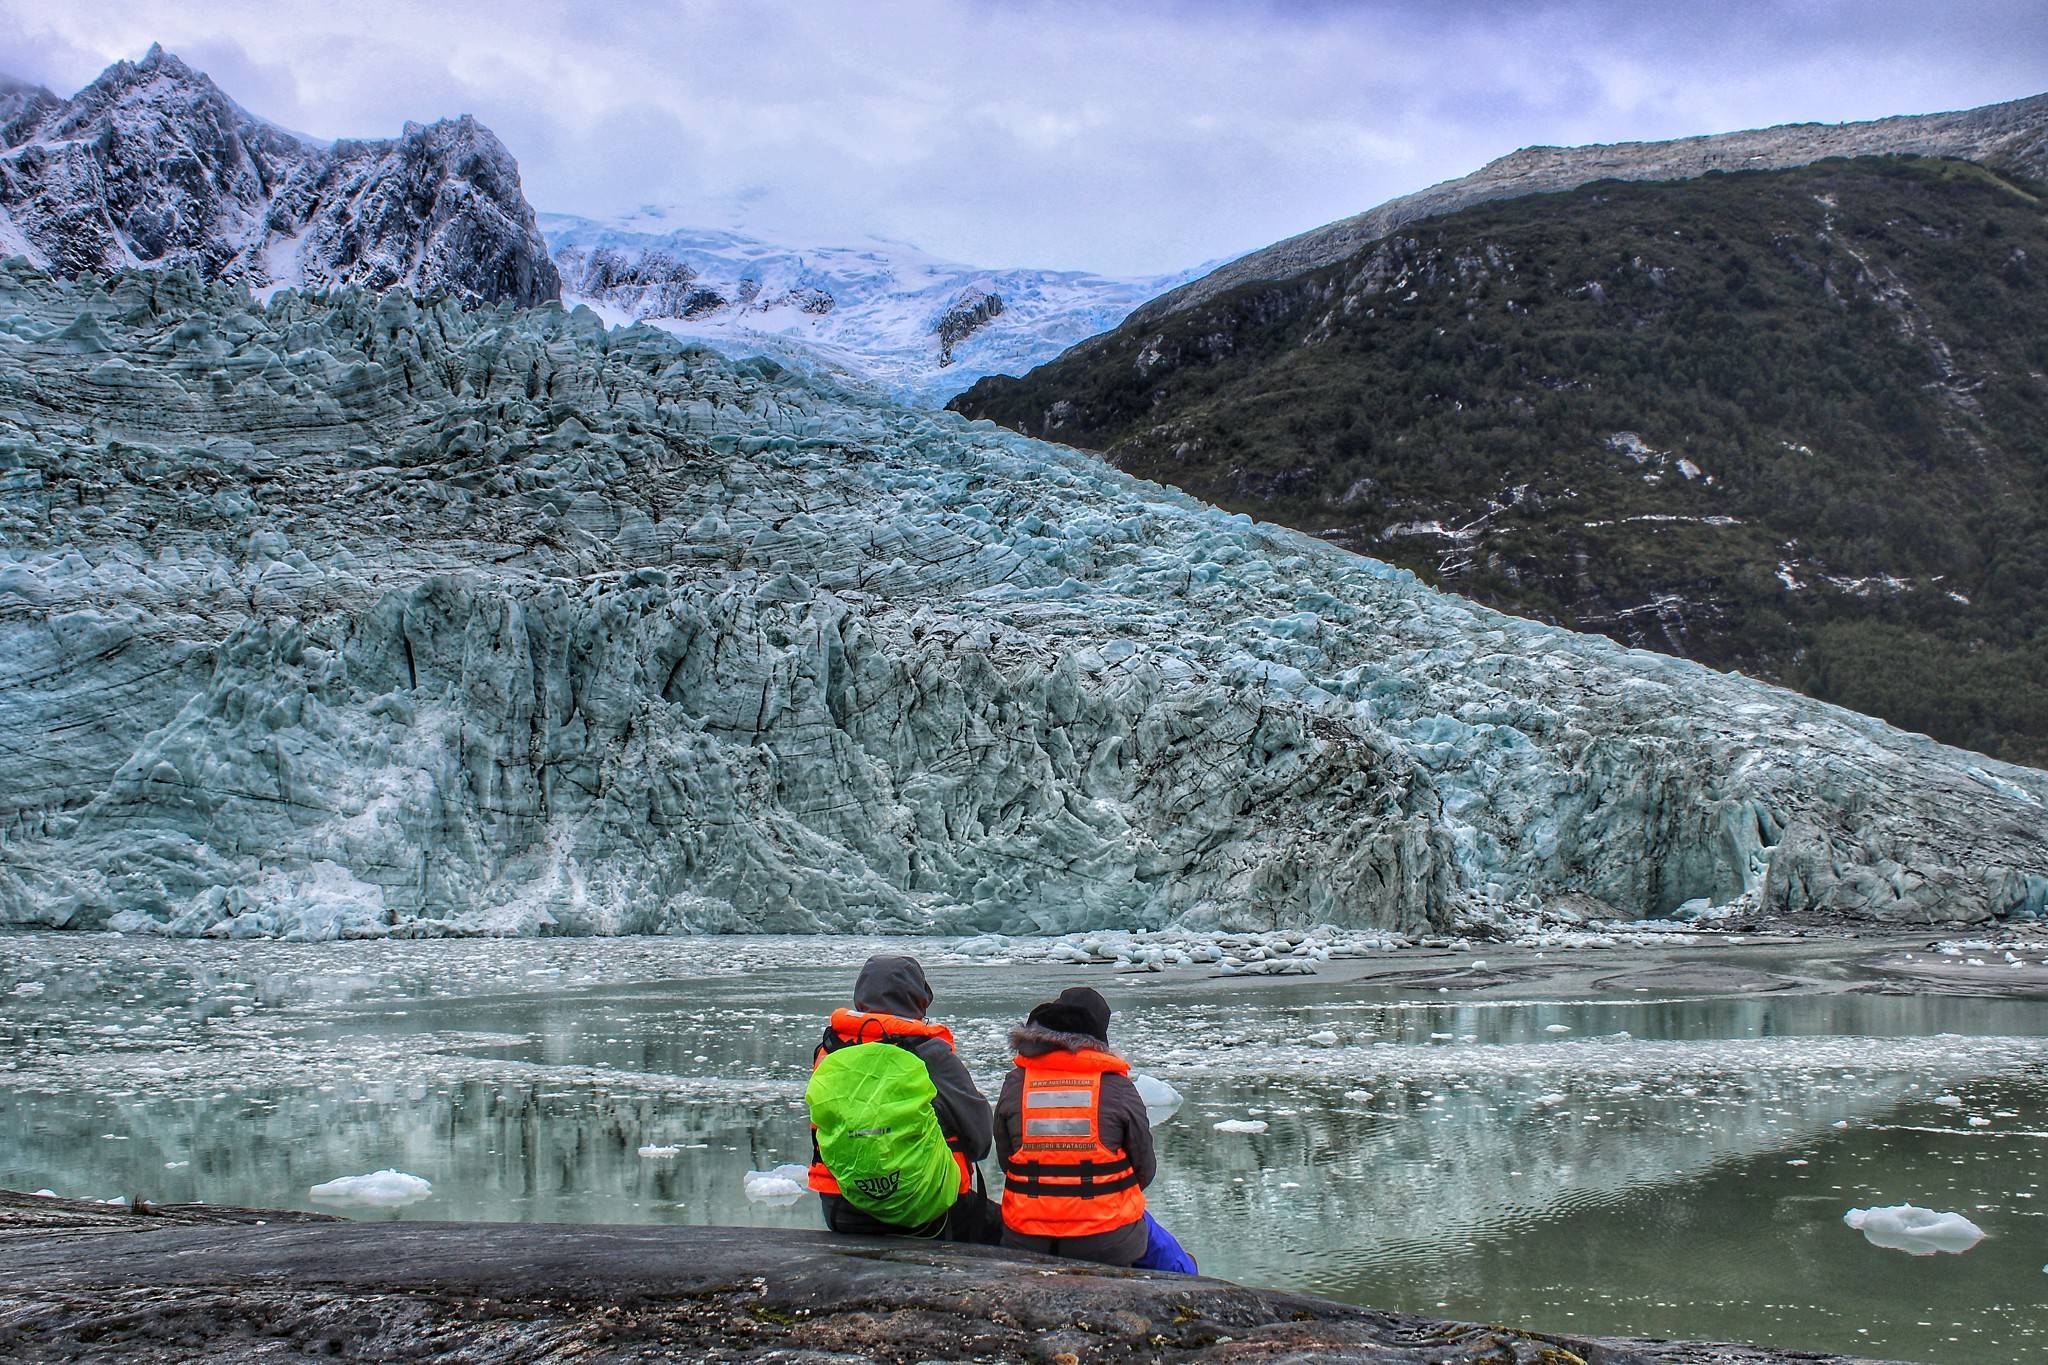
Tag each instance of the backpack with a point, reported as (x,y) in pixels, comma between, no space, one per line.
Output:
(879,1135)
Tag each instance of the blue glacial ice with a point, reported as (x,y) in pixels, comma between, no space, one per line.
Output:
(351,616)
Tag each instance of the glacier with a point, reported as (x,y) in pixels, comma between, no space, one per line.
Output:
(878,313)
(353,616)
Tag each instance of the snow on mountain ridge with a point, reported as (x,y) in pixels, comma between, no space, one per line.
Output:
(2013,134)
(152,165)
(881,313)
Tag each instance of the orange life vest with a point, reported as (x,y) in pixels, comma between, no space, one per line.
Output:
(847,1027)
(1061,1181)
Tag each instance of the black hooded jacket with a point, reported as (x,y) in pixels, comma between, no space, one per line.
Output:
(1120,1121)
(894,984)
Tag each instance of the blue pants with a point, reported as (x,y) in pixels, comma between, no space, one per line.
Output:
(1162,1252)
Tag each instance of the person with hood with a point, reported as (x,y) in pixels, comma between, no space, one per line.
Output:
(1075,1143)
(898,1125)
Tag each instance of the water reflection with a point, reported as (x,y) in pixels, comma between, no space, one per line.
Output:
(1618,1166)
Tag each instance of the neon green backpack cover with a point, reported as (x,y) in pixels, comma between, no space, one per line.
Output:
(879,1136)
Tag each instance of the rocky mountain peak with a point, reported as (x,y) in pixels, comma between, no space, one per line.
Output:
(152,164)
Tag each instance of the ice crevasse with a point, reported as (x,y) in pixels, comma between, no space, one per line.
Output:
(352,615)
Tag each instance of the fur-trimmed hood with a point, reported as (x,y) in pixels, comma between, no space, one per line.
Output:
(1035,1040)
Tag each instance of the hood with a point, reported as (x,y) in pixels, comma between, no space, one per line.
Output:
(892,983)
(1035,1040)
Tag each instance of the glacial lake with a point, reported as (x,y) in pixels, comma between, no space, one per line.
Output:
(1652,1164)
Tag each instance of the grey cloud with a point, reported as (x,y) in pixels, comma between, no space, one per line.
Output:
(1128,136)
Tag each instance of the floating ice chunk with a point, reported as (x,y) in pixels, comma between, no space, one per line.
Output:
(1324,1038)
(46,1194)
(1240,1126)
(386,1189)
(1949,1101)
(984,945)
(1557,1028)
(1358,1096)
(1839,1123)
(1554,1098)
(1917,1232)
(655,1151)
(1979,1121)
(1161,1100)
(28,988)
(782,1185)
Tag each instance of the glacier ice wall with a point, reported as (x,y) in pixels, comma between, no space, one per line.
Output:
(355,616)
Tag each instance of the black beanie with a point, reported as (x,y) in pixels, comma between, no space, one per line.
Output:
(1080,1009)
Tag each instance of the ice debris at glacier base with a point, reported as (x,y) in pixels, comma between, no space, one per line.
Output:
(1917,1232)
(358,616)
(1294,951)
(386,1189)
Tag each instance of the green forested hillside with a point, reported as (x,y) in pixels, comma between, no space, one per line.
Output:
(1790,422)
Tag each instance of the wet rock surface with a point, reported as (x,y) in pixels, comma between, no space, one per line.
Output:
(80,1280)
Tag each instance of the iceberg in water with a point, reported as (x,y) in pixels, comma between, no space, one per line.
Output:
(386,1189)
(1915,1231)
(1161,1100)
(782,1185)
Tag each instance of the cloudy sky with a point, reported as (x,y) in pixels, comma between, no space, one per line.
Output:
(1127,136)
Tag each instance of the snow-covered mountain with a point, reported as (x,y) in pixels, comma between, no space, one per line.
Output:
(152,165)
(885,313)
(349,615)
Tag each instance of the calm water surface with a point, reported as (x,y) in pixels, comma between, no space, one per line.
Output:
(1667,1167)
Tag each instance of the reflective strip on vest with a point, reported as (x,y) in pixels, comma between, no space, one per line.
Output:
(1057,1099)
(1058,1128)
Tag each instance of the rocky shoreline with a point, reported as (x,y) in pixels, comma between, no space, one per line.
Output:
(79,1279)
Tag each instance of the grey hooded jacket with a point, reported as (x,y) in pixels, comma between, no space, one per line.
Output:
(895,984)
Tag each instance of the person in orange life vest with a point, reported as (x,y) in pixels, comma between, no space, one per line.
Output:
(1072,1138)
(890,998)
